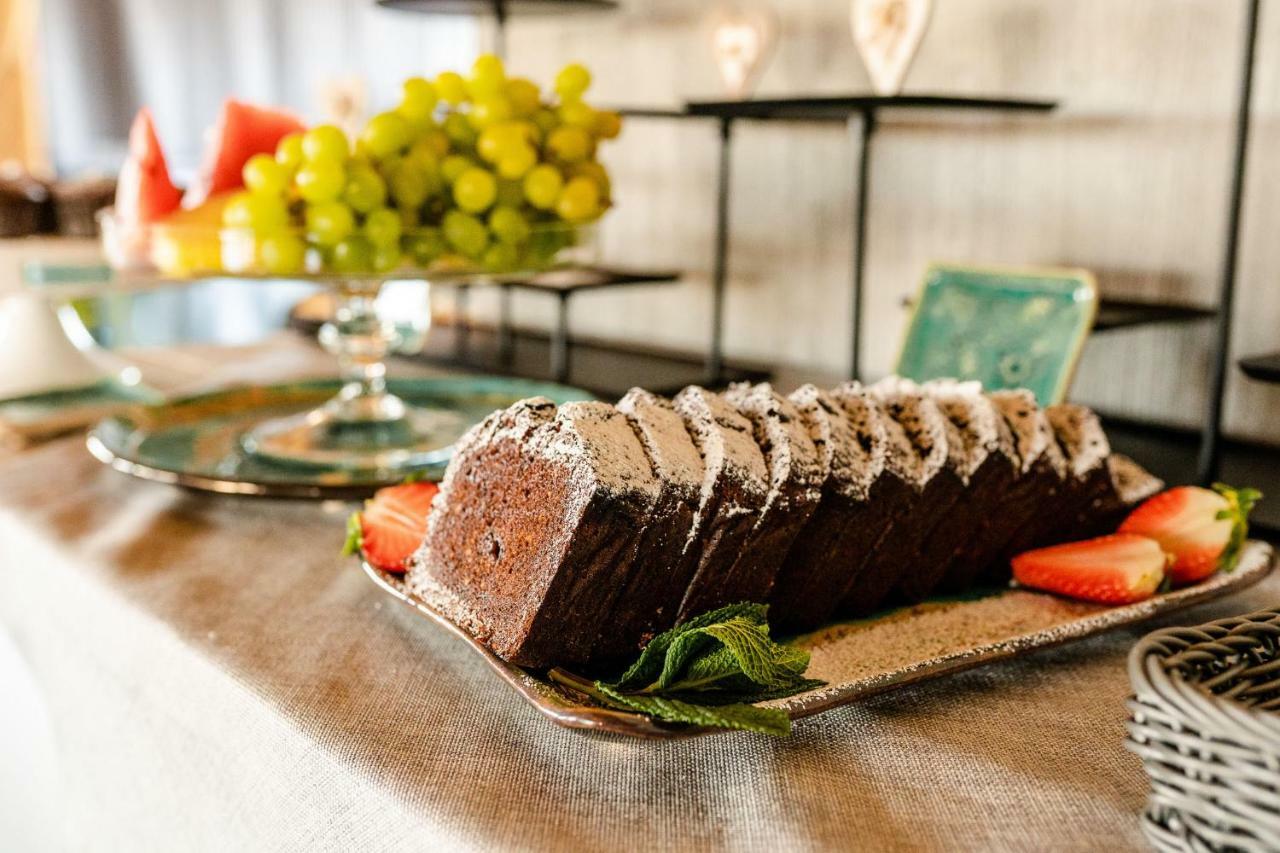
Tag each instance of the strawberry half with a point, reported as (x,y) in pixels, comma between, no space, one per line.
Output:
(391,526)
(1116,569)
(1203,530)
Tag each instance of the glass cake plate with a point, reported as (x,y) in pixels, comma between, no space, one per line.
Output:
(891,649)
(200,441)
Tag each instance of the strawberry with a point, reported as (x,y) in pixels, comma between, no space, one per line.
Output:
(1203,530)
(392,525)
(1116,569)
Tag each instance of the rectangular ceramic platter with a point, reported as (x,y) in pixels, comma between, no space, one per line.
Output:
(889,650)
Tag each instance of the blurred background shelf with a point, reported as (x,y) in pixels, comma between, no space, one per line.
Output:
(1263,368)
(1124,314)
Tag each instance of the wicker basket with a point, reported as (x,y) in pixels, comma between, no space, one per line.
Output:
(1205,719)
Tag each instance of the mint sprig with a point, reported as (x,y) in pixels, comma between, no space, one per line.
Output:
(1240,504)
(708,671)
(355,536)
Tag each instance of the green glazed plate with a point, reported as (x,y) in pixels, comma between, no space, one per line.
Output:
(1004,328)
(53,412)
(195,441)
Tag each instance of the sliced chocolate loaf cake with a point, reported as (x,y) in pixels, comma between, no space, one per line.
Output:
(923,453)
(860,498)
(1030,504)
(989,466)
(735,484)
(1128,484)
(533,534)
(660,576)
(1085,449)
(795,486)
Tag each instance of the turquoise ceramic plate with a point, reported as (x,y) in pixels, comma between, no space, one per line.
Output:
(195,441)
(1004,328)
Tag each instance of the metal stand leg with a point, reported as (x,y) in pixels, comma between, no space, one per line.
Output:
(506,334)
(719,269)
(500,29)
(560,341)
(462,323)
(1211,437)
(866,127)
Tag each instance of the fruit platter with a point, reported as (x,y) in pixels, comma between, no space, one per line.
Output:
(738,560)
(465,178)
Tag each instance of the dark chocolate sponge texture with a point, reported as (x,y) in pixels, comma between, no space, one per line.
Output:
(572,535)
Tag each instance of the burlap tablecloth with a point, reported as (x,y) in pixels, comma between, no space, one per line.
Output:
(214,676)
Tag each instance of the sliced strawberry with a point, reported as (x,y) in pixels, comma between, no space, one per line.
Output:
(1116,569)
(392,525)
(1203,530)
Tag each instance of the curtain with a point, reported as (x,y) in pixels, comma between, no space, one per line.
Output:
(103,59)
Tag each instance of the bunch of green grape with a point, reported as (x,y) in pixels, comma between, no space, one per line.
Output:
(463,173)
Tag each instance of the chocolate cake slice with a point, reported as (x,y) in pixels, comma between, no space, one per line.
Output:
(1128,484)
(535,529)
(735,484)
(664,566)
(795,486)
(1029,506)
(858,500)
(917,454)
(989,467)
(1085,448)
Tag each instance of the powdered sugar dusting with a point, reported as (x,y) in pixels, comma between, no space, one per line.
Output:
(662,432)
(602,435)
(981,429)
(1132,483)
(1080,435)
(864,424)
(920,423)
(789,453)
(1032,434)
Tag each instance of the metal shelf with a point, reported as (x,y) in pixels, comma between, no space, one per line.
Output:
(1126,314)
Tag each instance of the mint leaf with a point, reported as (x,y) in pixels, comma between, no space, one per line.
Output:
(770,721)
(355,536)
(708,670)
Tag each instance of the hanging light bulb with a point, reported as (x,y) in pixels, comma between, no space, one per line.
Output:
(887,34)
(742,39)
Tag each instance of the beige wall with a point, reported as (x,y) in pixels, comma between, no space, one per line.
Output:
(1129,179)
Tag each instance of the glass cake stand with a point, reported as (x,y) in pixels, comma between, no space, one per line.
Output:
(365,426)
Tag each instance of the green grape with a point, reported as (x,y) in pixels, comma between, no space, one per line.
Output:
(386,258)
(569,144)
(475,189)
(263,214)
(459,131)
(386,134)
(596,172)
(436,141)
(498,140)
(489,110)
(454,165)
(289,152)
(418,100)
(510,193)
(262,174)
(329,223)
(516,164)
(523,95)
(465,233)
(451,87)
(425,245)
(410,186)
(578,114)
(580,200)
(321,181)
(382,227)
(425,163)
(410,218)
(509,225)
(352,254)
(365,190)
(546,120)
(542,186)
(608,124)
(282,254)
(500,257)
(487,77)
(325,144)
(572,81)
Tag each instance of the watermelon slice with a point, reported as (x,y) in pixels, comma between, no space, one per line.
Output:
(242,131)
(144,192)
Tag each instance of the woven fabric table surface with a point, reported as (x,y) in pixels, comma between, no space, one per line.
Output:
(210,674)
